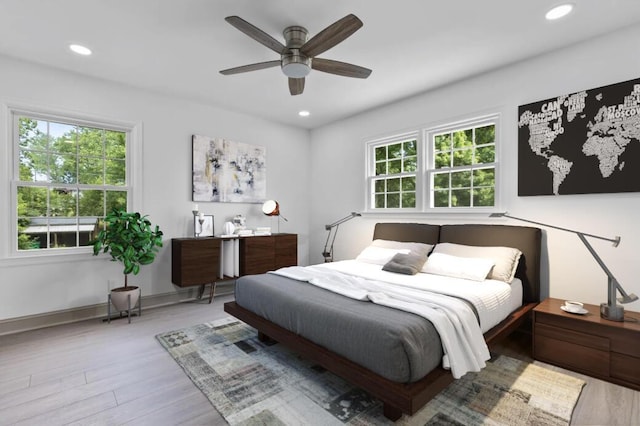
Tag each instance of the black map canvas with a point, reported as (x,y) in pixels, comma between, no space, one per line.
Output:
(581,143)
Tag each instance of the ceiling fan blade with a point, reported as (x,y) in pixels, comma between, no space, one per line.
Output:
(250,67)
(332,35)
(339,68)
(296,86)
(256,33)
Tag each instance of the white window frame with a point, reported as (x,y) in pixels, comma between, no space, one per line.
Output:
(430,169)
(134,171)
(424,137)
(371,172)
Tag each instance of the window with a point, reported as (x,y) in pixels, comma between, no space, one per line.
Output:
(68,173)
(452,168)
(462,168)
(394,174)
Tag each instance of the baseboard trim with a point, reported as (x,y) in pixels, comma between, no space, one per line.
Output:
(66,316)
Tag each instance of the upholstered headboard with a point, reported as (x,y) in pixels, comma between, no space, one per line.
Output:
(407,232)
(525,238)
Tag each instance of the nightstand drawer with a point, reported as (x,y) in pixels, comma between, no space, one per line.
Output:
(571,355)
(625,342)
(570,336)
(625,367)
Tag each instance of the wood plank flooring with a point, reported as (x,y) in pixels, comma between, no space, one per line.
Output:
(93,373)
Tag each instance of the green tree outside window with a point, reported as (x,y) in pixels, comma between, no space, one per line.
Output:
(69,176)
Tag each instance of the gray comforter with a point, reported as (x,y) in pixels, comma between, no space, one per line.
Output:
(397,345)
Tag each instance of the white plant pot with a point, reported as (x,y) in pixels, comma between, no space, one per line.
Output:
(120,297)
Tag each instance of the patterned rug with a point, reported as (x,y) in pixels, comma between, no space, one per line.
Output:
(253,383)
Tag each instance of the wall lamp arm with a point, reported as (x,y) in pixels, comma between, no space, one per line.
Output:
(331,236)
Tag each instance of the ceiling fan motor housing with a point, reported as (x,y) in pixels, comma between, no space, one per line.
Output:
(295,64)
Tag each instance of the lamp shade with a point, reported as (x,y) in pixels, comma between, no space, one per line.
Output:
(271,208)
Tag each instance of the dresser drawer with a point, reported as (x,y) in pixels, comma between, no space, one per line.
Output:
(194,261)
(265,253)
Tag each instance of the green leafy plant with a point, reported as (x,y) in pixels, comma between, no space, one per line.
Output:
(129,238)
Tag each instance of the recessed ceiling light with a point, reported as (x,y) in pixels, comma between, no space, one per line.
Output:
(304,113)
(559,11)
(80,50)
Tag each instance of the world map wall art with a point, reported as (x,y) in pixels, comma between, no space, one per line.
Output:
(227,171)
(581,143)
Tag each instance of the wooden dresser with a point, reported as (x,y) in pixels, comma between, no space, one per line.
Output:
(197,261)
(588,344)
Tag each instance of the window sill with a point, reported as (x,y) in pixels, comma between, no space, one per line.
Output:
(453,214)
(29,258)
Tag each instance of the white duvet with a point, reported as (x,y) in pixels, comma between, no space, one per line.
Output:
(426,295)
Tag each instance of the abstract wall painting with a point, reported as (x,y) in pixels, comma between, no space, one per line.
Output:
(228,172)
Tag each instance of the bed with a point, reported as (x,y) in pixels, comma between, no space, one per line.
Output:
(294,318)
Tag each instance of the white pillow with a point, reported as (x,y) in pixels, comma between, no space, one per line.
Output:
(379,255)
(417,248)
(469,268)
(505,258)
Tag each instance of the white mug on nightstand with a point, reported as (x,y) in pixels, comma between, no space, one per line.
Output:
(572,306)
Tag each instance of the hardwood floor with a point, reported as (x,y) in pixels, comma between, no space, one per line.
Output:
(104,374)
(601,403)
(114,374)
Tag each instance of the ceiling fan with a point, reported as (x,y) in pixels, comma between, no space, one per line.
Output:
(298,56)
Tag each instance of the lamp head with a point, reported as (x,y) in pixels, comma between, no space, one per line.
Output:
(498,214)
(271,208)
(628,298)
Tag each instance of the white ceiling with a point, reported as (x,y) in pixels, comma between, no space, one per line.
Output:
(177,47)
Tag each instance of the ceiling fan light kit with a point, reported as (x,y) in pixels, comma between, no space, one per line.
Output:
(295,65)
(298,56)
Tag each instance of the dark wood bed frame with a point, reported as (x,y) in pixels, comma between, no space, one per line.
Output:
(408,398)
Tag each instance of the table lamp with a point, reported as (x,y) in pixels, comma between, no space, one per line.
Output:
(610,310)
(272,208)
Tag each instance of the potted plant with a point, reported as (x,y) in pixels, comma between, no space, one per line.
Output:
(129,238)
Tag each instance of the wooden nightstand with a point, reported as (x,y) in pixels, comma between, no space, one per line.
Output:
(588,344)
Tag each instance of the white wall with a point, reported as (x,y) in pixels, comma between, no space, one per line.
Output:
(334,186)
(30,287)
(338,168)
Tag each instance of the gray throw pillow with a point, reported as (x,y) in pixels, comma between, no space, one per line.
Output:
(408,264)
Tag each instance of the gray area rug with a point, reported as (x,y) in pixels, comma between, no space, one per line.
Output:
(253,383)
